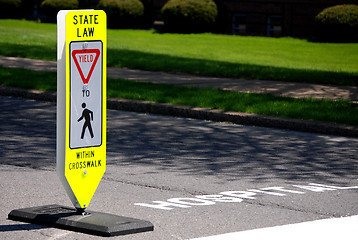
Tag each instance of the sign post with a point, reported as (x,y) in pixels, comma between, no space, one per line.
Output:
(81,97)
(81,128)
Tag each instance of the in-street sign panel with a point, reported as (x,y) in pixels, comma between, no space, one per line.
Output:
(81,103)
(81,129)
(86,94)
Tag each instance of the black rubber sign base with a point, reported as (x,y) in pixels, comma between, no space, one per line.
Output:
(95,223)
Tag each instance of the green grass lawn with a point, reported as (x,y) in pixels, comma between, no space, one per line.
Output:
(207,54)
(285,59)
(313,109)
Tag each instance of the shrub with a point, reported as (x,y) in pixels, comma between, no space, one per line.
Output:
(51,7)
(189,15)
(10,8)
(122,13)
(338,23)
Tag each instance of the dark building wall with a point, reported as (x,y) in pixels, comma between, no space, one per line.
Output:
(292,17)
(247,17)
(268,17)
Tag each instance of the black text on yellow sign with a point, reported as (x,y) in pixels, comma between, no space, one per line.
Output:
(85,160)
(81,139)
(83,22)
(86,25)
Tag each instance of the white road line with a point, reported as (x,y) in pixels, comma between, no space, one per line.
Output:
(334,228)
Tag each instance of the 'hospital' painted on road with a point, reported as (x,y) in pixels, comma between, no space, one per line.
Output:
(239,196)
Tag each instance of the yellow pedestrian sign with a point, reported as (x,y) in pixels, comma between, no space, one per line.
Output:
(81,129)
(81,99)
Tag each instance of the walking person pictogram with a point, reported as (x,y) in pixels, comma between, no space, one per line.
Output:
(88,116)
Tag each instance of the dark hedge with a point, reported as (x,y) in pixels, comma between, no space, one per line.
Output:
(10,8)
(122,13)
(51,7)
(338,23)
(189,15)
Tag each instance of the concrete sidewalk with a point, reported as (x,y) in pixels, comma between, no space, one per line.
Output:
(297,90)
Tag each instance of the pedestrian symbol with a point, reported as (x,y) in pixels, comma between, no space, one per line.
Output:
(88,116)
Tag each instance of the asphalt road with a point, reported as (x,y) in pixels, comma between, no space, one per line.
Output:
(190,178)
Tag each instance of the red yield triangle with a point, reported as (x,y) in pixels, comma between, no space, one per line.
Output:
(85,80)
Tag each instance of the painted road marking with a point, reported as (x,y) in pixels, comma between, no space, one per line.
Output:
(334,228)
(239,196)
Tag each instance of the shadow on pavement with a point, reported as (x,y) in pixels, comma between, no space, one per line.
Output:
(229,151)
(20,227)
(182,146)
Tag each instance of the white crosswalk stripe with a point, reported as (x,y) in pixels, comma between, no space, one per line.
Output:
(334,228)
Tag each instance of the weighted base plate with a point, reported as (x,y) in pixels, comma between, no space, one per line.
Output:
(95,223)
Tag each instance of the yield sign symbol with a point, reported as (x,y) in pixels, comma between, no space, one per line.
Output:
(85,58)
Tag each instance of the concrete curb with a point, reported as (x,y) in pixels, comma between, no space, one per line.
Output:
(202,113)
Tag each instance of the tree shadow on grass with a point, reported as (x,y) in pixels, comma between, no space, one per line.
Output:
(28,51)
(162,62)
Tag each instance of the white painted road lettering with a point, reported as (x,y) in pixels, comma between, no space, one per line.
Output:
(239,196)
(191,201)
(281,189)
(335,187)
(220,198)
(162,205)
(267,192)
(315,188)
